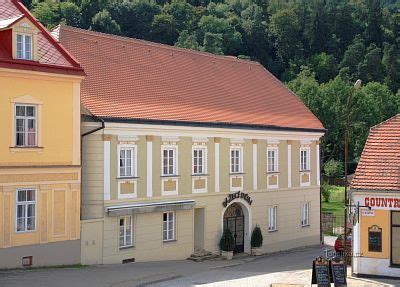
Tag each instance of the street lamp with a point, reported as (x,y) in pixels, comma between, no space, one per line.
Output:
(356,86)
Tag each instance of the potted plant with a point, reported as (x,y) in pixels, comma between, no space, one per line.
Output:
(226,244)
(256,241)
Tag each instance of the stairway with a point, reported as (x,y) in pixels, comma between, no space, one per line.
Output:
(200,255)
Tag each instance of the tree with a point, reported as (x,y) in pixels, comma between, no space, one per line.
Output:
(102,22)
(187,41)
(213,43)
(164,29)
(324,66)
(391,61)
(47,12)
(89,8)
(353,56)
(70,14)
(185,15)
(372,69)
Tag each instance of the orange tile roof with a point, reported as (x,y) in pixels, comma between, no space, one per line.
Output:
(379,166)
(52,56)
(139,80)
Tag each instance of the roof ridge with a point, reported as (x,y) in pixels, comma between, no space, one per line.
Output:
(385,122)
(160,45)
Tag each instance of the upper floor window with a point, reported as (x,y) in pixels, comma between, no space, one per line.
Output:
(272,159)
(125,231)
(24,47)
(169,162)
(304,159)
(26,210)
(25,125)
(236,160)
(305,214)
(127,161)
(199,161)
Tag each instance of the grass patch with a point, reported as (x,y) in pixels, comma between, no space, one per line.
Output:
(337,208)
(335,204)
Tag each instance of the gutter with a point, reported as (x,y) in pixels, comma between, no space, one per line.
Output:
(96,129)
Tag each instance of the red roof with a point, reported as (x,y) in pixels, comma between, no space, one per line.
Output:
(379,166)
(139,80)
(52,56)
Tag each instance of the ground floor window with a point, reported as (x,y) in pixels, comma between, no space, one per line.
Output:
(26,210)
(272,211)
(395,238)
(305,214)
(125,232)
(168,226)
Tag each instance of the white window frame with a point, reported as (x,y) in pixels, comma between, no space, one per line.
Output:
(25,205)
(133,149)
(26,120)
(174,148)
(305,214)
(203,162)
(272,218)
(240,158)
(166,228)
(275,167)
(307,163)
(125,233)
(24,51)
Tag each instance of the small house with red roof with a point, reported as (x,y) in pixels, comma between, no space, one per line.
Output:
(40,155)
(375,195)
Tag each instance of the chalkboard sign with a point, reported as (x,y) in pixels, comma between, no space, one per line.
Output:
(321,274)
(339,273)
(375,239)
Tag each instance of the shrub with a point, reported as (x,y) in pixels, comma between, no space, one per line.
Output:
(334,168)
(227,241)
(326,191)
(256,237)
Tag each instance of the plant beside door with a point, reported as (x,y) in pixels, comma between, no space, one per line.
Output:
(227,244)
(256,241)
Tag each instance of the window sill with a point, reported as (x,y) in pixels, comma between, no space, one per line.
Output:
(126,248)
(24,232)
(236,173)
(200,174)
(127,177)
(26,149)
(305,225)
(172,175)
(306,170)
(272,230)
(170,241)
(273,172)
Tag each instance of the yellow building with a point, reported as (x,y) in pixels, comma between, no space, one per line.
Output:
(40,144)
(376,187)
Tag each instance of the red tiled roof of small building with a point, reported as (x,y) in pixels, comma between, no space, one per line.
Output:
(140,80)
(379,166)
(52,56)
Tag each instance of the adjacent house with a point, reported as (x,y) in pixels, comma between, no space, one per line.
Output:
(376,234)
(179,144)
(40,144)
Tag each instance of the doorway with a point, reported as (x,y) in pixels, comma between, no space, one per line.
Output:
(234,220)
(199,223)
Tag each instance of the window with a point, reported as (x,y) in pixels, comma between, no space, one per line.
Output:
(272,160)
(304,159)
(199,161)
(168,226)
(272,211)
(26,210)
(25,125)
(236,160)
(305,214)
(24,47)
(169,161)
(127,161)
(125,232)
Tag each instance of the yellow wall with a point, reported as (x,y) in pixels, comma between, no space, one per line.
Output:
(52,168)
(381,219)
(58,132)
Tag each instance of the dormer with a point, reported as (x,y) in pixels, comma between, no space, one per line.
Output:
(19,38)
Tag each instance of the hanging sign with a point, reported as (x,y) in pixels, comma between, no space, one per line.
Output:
(236,195)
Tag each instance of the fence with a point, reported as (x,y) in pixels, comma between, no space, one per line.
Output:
(332,224)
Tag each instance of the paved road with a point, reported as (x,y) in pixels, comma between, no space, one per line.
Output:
(286,267)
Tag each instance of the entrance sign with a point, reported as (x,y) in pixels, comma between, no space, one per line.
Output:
(236,195)
(338,271)
(321,272)
(381,202)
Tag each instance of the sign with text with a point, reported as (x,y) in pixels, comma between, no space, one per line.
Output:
(338,271)
(236,195)
(384,202)
(321,272)
(367,213)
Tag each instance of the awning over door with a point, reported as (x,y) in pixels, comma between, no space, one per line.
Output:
(131,209)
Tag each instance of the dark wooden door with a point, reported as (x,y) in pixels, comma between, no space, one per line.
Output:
(236,226)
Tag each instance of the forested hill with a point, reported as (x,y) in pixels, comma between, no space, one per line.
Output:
(318,47)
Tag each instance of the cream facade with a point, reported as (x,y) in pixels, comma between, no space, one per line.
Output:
(159,192)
